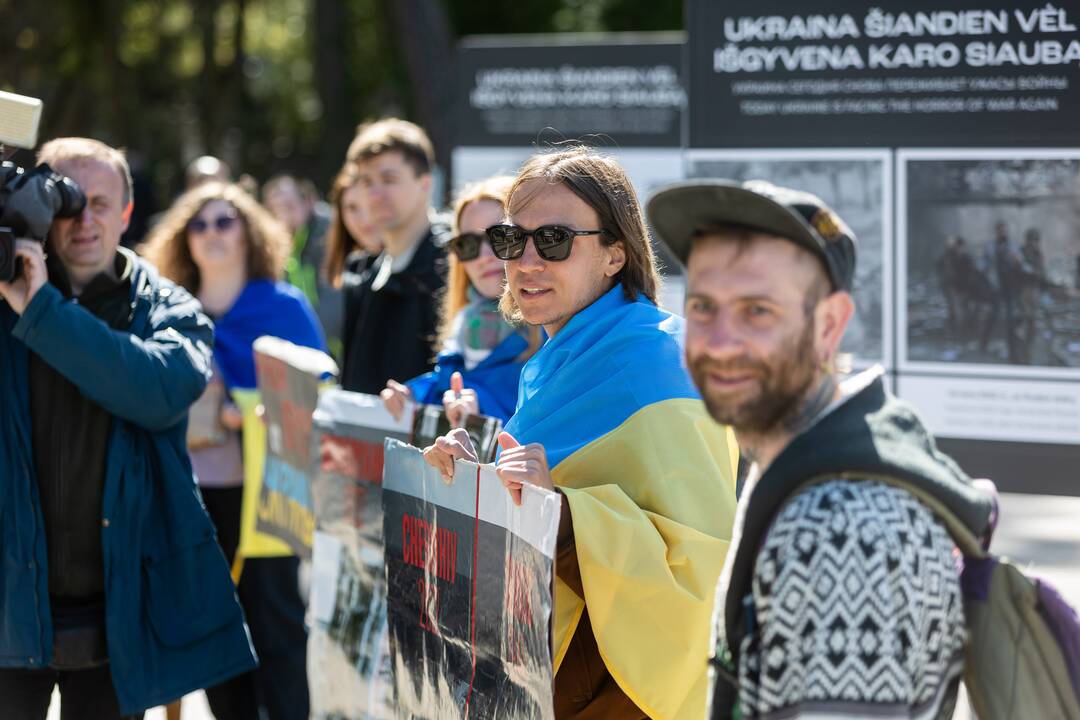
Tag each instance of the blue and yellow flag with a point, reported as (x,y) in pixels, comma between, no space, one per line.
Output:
(650,480)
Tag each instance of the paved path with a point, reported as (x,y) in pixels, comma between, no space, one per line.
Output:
(1043,533)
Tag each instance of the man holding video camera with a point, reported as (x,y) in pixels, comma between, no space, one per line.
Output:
(113,586)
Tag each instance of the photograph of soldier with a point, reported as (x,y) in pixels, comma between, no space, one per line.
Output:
(853,187)
(988,251)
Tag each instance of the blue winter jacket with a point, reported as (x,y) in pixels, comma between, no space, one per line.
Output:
(495,379)
(173,621)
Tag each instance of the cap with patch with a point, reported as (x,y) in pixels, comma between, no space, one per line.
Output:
(679,212)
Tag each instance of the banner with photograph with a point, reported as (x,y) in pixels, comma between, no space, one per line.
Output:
(348,649)
(289,377)
(990,287)
(851,73)
(469,579)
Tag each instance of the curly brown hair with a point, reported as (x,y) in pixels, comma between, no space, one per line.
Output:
(268,242)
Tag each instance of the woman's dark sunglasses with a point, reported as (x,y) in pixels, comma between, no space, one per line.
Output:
(552,242)
(467,245)
(221,223)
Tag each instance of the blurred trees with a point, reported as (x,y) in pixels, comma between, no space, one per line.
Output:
(268,85)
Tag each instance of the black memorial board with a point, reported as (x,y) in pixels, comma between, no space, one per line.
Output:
(846,73)
(524,89)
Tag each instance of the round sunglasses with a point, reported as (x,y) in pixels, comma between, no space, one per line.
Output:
(467,245)
(221,223)
(552,242)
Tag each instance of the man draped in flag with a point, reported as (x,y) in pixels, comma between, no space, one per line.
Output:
(607,416)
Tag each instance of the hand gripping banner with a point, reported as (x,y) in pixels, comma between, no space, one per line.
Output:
(469,587)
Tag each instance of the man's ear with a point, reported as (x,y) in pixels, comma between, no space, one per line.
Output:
(616,253)
(126,216)
(832,316)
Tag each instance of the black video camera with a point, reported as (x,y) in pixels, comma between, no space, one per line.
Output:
(29,201)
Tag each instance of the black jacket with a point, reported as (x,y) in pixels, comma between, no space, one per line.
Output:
(70,435)
(390,332)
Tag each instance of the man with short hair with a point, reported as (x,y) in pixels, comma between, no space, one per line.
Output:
(607,417)
(841,594)
(391,309)
(296,206)
(113,585)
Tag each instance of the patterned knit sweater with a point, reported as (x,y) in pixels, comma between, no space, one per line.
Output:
(841,592)
(856,593)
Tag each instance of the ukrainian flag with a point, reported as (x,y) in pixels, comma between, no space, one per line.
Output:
(650,480)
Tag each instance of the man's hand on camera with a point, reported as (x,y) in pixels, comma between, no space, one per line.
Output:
(20,291)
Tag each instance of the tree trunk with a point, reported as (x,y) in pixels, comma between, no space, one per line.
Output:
(209,103)
(331,79)
(422,31)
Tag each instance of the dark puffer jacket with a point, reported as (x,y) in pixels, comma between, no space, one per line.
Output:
(174,624)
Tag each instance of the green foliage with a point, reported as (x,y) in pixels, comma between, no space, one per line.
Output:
(265,84)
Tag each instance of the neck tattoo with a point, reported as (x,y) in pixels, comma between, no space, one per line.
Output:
(812,406)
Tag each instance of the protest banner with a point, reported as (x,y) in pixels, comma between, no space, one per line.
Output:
(469,579)
(289,377)
(348,651)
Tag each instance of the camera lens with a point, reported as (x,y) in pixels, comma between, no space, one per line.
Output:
(68,199)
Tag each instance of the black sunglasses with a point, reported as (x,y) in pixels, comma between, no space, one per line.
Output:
(221,223)
(467,245)
(552,242)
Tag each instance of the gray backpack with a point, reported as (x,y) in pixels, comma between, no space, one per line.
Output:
(1023,652)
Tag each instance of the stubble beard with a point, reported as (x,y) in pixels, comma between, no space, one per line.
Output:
(786,380)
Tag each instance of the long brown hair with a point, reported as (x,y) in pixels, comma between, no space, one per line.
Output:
(268,242)
(602,184)
(339,241)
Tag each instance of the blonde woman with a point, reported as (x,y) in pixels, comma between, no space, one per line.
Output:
(230,253)
(477,341)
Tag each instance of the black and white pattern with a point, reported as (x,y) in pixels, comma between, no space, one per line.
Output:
(857,609)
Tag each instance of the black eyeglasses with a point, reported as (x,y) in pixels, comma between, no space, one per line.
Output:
(467,245)
(221,223)
(552,242)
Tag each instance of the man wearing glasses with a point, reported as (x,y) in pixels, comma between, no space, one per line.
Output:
(390,309)
(113,588)
(607,416)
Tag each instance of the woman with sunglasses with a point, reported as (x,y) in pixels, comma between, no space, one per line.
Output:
(482,354)
(230,253)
